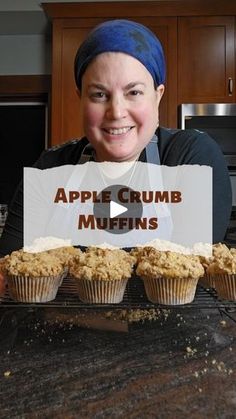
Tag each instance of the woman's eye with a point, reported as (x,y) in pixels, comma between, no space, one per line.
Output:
(98,95)
(135,92)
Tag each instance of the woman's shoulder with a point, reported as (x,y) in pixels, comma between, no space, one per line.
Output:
(61,154)
(188,146)
(184,135)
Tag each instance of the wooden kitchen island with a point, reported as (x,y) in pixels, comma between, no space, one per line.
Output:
(181,365)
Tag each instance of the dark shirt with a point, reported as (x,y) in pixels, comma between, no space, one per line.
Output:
(176,147)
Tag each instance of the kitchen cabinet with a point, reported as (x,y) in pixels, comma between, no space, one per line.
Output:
(198,38)
(206,59)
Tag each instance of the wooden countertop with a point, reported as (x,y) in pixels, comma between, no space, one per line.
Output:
(182,365)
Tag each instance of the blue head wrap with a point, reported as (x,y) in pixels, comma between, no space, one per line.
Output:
(126,36)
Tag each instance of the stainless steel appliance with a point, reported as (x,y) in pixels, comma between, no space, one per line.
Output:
(219,121)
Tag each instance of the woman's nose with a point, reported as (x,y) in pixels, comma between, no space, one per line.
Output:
(116,108)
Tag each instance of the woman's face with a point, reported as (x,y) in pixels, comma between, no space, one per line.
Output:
(120,106)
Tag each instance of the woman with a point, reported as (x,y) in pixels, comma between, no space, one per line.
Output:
(120,75)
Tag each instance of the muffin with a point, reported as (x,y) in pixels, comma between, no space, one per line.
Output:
(33,277)
(66,256)
(140,253)
(223,268)
(207,280)
(170,278)
(219,250)
(101,275)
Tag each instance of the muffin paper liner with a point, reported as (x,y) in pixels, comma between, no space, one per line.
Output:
(225,285)
(207,281)
(33,289)
(98,291)
(170,291)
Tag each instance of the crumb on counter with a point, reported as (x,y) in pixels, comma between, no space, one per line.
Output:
(138,315)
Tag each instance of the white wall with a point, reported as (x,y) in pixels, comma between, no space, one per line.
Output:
(28,5)
(35,4)
(25,54)
(25,48)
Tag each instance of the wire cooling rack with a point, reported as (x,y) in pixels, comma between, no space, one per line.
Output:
(134,298)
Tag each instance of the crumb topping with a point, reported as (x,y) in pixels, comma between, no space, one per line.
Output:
(223,260)
(103,264)
(140,253)
(219,250)
(226,265)
(65,254)
(169,264)
(33,264)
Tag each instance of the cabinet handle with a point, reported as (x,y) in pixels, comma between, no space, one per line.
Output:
(230,86)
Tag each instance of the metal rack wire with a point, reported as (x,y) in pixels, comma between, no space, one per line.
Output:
(134,298)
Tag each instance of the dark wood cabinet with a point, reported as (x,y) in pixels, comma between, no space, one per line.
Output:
(206,59)
(198,37)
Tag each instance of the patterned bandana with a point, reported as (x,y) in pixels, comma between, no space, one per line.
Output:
(126,36)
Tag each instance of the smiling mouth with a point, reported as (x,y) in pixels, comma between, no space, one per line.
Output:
(117,131)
